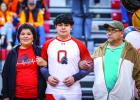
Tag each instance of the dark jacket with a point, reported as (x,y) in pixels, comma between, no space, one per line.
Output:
(9,75)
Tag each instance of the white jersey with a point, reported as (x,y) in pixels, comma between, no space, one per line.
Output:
(63,58)
(134,38)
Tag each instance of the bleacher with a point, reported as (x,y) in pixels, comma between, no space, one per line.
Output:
(101,14)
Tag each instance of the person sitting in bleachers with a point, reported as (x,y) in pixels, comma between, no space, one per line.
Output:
(34,16)
(18,6)
(9,4)
(43,5)
(6,27)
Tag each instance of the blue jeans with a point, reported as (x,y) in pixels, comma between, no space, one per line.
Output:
(77,30)
(80,8)
(78,4)
(8,30)
(42,34)
(124,14)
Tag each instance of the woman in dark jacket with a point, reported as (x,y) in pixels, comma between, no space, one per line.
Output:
(21,75)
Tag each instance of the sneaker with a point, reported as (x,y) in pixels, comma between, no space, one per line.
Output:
(9,47)
(2,40)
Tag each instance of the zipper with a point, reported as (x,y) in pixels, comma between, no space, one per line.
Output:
(107,96)
(104,80)
(123,56)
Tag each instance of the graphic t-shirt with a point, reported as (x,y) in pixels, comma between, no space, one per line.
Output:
(63,58)
(26,74)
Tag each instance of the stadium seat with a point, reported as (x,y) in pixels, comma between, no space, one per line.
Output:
(47,15)
(115,4)
(116,16)
(125,25)
(3,54)
(46,27)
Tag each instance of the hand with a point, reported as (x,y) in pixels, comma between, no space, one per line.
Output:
(136,93)
(69,81)
(85,64)
(41,62)
(53,81)
(6,99)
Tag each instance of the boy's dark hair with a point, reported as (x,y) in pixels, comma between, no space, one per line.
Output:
(64,18)
(31,28)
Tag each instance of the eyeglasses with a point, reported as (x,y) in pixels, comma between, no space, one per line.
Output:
(112,30)
(32,4)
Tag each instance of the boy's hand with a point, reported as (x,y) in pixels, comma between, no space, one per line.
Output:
(69,81)
(53,81)
(85,64)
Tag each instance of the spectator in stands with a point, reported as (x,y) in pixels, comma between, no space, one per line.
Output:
(125,16)
(9,3)
(64,54)
(18,6)
(6,25)
(82,22)
(116,67)
(82,18)
(21,76)
(34,16)
(43,5)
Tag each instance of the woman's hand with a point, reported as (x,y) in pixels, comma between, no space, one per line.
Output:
(6,99)
(41,62)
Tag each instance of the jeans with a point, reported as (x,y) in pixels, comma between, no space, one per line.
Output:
(80,6)
(124,14)
(77,30)
(25,98)
(80,10)
(8,30)
(82,21)
(42,34)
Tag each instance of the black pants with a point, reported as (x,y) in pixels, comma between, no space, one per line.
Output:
(25,99)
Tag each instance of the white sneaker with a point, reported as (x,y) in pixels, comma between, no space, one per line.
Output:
(2,40)
(9,47)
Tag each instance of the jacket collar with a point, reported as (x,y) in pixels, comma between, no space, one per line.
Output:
(127,47)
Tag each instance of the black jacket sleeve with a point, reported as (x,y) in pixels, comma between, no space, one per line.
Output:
(5,76)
